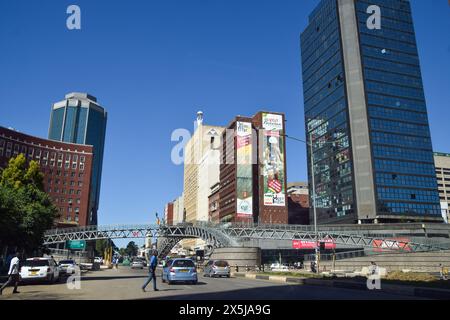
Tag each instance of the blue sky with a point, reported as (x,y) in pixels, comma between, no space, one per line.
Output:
(153,64)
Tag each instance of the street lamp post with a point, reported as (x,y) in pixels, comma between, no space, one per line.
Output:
(313,182)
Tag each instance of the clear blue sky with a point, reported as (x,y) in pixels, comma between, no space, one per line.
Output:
(153,64)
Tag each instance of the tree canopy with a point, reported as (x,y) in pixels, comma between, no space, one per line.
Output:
(26,211)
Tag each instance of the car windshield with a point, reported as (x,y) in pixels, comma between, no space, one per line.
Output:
(183,263)
(67,262)
(35,263)
(221,264)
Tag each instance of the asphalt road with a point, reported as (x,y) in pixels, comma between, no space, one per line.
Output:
(125,283)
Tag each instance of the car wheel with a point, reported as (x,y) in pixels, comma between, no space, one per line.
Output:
(228,276)
(194,282)
(51,279)
(169,282)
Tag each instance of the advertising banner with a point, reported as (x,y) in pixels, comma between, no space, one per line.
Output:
(391,244)
(273,160)
(308,244)
(244,179)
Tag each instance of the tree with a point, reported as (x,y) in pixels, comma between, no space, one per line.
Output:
(132,249)
(26,211)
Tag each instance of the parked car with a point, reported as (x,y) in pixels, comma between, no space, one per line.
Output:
(67,267)
(39,269)
(278,267)
(216,268)
(180,270)
(137,264)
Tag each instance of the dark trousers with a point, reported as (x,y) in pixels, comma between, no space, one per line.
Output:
(13,278)
(151,276)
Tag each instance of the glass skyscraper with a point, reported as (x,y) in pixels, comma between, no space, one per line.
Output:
(80,119)
(366,114)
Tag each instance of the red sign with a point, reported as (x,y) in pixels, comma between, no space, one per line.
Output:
(308,244)
(392,244)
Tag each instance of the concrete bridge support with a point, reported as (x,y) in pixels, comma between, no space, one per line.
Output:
(240,256)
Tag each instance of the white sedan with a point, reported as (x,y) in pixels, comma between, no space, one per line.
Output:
(137,264)
(43,269)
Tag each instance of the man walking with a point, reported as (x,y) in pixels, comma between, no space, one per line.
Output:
(152,272)
(13,274)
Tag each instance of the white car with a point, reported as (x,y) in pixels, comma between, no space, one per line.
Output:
(278,267)
(43,269)
(67,267)
(137,264)
(98,260)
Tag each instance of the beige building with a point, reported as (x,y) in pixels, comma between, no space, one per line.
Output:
(178,208)
(201,171)
(442,164)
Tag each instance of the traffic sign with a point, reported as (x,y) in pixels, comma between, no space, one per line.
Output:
(76,244)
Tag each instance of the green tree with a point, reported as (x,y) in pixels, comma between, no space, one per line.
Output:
(132,249)
(26,211)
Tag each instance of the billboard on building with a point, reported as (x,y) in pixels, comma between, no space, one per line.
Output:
(273,153)
(244,178)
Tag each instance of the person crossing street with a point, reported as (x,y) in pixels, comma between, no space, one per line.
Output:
(13,274)
(152,272)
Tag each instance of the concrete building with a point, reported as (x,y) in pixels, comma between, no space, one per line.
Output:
(66,167)
(80,119)
(169,213)
(442,163)
(178,208)
(214,207)
(298,203)
(253,170)
(201,169)
(366,115)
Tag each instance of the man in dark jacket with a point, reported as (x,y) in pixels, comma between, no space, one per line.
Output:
(152,272)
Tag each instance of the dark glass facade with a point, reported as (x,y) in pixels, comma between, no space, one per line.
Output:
(326,113)
(397,121)
(79,119)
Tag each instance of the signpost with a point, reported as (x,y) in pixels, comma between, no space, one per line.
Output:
(76,244)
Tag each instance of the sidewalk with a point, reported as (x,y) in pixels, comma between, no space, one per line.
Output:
(406,290)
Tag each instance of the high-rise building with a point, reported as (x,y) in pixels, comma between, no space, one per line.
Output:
(80,119)
(169,213)
(442,163)
(366,114)
(67,172)
(201,169)
(253,170)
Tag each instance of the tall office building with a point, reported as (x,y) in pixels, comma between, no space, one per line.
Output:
(80,119)
(442,163)
(201,171)
(365,111)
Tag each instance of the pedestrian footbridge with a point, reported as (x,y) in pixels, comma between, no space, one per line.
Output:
(234,234)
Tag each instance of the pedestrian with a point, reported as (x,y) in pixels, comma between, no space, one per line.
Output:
(313,267)
(443,272)
(236,267)
(13,274)
(117,262)
(152,272)
(373,267)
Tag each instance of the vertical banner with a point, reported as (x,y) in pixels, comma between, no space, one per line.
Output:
(273,160)
(244,179)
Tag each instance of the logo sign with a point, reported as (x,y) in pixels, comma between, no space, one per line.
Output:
(76,244)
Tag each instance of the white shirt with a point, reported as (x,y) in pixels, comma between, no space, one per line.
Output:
(14,266)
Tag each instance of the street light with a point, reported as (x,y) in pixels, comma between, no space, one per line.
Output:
(313,182)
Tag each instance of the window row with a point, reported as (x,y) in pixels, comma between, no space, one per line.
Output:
(409,208)
(398,180)
(397,114)
(400,127)
(399,153)
(400,140)
(404,167)
(64,191)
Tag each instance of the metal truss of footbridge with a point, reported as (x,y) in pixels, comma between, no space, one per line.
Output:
(230,234)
